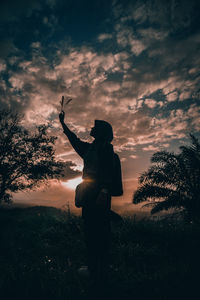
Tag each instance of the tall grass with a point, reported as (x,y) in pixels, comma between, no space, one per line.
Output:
(42,248)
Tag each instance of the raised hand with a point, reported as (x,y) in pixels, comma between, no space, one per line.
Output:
(62,117)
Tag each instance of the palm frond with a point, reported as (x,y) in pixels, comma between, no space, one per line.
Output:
(163,157)
(168,174)
(146,192)
(172,201)
(172,181)
(195,142)
(149,204)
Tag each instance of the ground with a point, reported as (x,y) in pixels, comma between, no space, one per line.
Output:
(43,247)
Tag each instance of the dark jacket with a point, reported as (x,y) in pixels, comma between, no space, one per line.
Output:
(97,158)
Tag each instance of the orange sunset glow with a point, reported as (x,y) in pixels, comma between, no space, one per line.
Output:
(72,183)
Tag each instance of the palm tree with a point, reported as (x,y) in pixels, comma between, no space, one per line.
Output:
(173,181)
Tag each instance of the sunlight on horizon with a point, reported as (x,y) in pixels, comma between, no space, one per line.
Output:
(72,183)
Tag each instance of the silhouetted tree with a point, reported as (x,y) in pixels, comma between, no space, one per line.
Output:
(26,158)
(173,181)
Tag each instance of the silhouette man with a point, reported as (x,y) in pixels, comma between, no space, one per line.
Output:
(98,169)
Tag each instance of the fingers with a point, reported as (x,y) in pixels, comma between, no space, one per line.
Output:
(62,114)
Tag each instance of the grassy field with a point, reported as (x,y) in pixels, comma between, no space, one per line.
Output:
(42,248)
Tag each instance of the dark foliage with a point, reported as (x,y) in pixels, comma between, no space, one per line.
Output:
(173,181)
(26,158)
(42,249)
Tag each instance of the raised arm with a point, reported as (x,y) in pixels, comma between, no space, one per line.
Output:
(79,146)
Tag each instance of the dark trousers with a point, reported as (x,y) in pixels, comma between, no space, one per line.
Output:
(97,238)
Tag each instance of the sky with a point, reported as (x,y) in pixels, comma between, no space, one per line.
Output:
(135,64)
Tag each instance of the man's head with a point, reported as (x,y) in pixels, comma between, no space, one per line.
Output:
(102,130)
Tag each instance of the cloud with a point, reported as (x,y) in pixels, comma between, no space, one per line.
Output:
(173,15)
(133,156)
(85,75)
(126,37)
(150,103)
(70,171)
(104,36)
(151,148)
(172,96)
(2,66)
